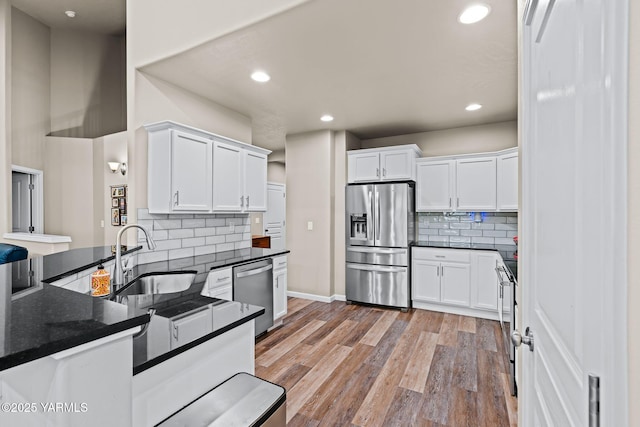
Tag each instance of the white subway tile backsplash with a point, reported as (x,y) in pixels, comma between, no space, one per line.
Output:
(225,247)
(233,237)
(205,250)
(148,257)
(224,230)
(215,222)
(158,235)
(495,227)
(194,223)
(214,240)
(181,253)
(144,214)
(164,245)
(196,241)
(200,232)
(181,233)
(180,216)
(242,244)
(167,224)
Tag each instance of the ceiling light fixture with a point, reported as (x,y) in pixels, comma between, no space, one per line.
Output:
(473,107)
(474,13)
(260,76)
(70,13)
(327,118)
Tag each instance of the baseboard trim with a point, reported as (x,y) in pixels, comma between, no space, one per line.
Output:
(314,297)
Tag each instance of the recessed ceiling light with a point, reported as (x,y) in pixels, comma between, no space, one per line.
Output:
(473,107)
(260,76)
(326,118)
(70,13)
(474,13)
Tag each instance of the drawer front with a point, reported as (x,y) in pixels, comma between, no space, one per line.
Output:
(279,262)
(224,292)
(450,255)
(219,277)
(377,256)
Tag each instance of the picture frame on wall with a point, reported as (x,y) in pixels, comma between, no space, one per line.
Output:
(122,203)
(123,219)
(114,203)
(118,191)
(115,216)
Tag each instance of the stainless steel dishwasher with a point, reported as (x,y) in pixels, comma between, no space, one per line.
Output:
(253,284)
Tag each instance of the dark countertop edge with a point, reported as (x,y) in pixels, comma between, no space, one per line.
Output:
(172,353)
(22,357)
(245,261)
(86,266)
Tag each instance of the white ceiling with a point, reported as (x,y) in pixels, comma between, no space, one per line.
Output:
(380,67)
(98,16)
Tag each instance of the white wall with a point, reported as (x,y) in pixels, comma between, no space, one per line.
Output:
(633,213)
(110,148)
(88,84)
(309,159)
(68,196)
(30,65)
(276,172)
(469,139)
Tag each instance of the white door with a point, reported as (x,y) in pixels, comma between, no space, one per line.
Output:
(435,183)
(274,219)
(476,184)
(191,169)
(573,270)
(227,178)
(21,202)
(255,182)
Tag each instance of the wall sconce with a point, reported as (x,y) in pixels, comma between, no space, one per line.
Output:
(115,166)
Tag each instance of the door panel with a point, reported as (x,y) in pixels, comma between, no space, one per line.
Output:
(227,177)
(274,219)
(396,165)
(359,221)
(426,281)
(20,204)
(255,172)
(435,185)
(455,279)
(391,214)
(191,169)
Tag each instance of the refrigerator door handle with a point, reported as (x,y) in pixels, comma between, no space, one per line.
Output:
(386,251)
(377,230)
(369,219)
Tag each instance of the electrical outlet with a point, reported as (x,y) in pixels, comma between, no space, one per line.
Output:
(309,225)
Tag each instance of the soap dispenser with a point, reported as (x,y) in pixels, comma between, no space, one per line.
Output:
(100,282)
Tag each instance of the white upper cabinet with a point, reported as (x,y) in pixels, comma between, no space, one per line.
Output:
(508,181)
(435,183)
(190,170)
(396,163)
(476,184)
(468,183)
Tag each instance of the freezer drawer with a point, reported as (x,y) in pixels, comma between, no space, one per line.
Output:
(377,284)
(378,256)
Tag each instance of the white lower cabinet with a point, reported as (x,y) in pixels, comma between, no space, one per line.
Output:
(279,287)
(458,281)
(219,284)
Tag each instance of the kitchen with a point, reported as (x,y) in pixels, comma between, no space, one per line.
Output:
(149,94)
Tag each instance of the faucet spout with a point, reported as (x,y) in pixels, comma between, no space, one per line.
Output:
(118,270)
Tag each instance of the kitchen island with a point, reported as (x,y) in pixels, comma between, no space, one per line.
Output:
(62,346)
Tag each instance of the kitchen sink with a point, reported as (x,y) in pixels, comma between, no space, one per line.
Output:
(159,283)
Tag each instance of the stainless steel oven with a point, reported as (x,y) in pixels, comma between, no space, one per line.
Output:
(507,280)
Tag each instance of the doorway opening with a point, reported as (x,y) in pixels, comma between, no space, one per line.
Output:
(27,200)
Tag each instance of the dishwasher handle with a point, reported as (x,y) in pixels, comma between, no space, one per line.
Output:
(254,272)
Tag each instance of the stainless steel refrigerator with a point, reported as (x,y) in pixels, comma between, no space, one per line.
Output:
(380,226)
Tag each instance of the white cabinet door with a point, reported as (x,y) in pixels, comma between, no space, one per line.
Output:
(364,167)
(426,281)
(435,183)
(476,184)
(190,172)
(485,294)
(279,293)
(227,177)
(255,182)
(507,182)
(190,327)
(396,165)
(455,281)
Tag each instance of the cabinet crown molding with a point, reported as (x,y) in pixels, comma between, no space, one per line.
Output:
(513,150)
(169,124)
(413,147)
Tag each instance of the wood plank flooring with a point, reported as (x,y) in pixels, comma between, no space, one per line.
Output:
(353,365)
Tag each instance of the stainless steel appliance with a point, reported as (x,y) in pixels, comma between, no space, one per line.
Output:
(508,327)
(253,284)
(380,226)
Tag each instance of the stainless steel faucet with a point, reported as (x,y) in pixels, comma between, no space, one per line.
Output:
(118,269)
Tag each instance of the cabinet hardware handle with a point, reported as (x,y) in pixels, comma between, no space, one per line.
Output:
(440,256)
(220,279)
(442,269)
(449,201)
(177,198)
(175,332)
(457,202)
(384,171)
(242,201)
(377,172)
(247,201)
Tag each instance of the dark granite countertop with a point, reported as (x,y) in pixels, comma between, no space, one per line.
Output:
(42,319)
(509,253)
(47,319)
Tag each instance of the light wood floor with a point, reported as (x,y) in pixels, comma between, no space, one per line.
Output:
(348,365)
